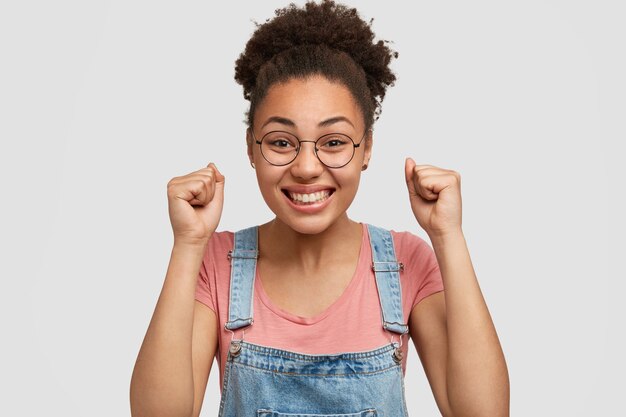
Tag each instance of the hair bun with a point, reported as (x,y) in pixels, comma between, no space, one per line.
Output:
(315,27)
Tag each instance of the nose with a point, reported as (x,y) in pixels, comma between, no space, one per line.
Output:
(306,164)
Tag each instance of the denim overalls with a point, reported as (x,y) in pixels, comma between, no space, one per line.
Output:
(262,381)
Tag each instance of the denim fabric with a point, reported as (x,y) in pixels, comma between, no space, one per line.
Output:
(264,381)
(386,269)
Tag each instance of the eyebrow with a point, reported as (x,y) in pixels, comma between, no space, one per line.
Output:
(323,123)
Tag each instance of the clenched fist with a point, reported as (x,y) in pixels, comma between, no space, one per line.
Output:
(435,196)
(195,204)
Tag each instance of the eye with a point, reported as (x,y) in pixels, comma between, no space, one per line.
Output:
(280,140)
(333,142)
(281,143)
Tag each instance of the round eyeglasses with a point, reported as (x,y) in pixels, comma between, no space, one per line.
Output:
(334,150)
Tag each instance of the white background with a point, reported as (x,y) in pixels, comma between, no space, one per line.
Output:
(102,102)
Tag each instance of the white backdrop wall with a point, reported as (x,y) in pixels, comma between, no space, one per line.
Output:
(102,102)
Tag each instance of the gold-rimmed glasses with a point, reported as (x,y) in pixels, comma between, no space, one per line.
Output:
(280,148)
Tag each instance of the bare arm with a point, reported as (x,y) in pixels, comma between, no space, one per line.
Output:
(162,383)
(457,341)
(204,346)
(175,358)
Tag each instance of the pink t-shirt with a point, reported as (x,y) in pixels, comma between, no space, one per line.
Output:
(351,324)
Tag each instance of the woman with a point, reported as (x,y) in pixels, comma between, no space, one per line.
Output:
(310,313)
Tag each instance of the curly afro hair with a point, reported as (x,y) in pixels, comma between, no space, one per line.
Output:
(328,39)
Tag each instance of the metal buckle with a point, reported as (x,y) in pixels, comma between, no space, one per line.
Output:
(397,355)
(400,266)
(397,352)
(235,344)
(254,254)
(235,348)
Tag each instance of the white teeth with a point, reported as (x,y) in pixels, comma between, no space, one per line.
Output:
(310,198)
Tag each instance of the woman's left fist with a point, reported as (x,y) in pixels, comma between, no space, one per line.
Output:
(435,195)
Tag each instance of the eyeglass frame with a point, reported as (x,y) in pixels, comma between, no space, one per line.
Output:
(315,149)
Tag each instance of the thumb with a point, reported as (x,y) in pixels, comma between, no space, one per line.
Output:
(219,178)
(409,165)
(219,183)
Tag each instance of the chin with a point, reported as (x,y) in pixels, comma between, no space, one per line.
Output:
(307,226)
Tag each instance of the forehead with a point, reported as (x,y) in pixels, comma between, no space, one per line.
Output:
(308,101)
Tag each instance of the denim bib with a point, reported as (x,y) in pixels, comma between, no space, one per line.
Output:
(264,381)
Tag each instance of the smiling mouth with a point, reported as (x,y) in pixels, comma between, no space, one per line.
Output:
(308,199)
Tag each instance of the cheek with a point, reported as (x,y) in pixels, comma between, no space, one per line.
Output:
(349,179)
(267,179)
(264,181)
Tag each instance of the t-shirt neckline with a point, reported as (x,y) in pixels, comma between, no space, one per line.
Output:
(260,291)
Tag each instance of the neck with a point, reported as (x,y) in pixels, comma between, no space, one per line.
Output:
(285,245)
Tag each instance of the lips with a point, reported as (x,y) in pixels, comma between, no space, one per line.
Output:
(313,197)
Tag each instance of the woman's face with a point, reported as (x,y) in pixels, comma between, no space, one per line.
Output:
(298,107)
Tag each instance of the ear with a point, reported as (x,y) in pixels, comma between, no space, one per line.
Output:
(367,146)
(249,145)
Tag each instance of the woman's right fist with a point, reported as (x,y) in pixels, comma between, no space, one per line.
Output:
(195,204)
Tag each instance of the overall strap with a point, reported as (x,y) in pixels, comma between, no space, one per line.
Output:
(386,268)
(242,272)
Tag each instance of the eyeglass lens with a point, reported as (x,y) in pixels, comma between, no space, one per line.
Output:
(333,150)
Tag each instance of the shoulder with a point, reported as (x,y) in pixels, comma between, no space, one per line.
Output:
(407,241)
(219,244)
(402,240)
(414,251)
(422,275)
(222,237)
(411,249)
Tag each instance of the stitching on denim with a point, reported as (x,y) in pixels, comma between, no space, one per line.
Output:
(265,370)
(363,413)
(403,394)
(317,358)
(225,386)
(371,412)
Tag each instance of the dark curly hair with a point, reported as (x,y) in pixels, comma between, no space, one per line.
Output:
(328,39)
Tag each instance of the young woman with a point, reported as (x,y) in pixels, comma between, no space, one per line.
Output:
(310,313)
